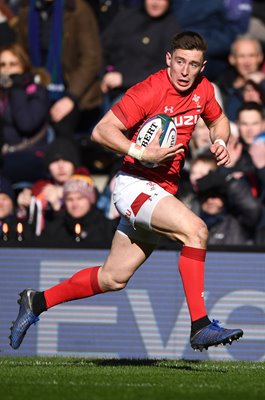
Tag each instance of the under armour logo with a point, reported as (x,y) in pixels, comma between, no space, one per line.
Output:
(168,109)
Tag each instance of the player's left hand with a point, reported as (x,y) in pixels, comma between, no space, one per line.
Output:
(221,154)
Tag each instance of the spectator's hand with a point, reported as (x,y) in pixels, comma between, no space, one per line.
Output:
(234,148)
(111,80)
(257,153)
(53,194)
(61,108)
(24,198)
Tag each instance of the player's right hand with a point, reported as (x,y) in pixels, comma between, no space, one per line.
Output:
(155,154)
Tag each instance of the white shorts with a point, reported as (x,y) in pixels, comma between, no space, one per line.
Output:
(135,198)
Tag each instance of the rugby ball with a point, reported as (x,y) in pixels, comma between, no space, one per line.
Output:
(150,128)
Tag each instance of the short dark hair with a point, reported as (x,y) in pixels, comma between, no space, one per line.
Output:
(188,40)
(249,106)
(206,156)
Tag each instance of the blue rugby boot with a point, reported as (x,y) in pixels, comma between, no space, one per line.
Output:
(24,319)
(213,335)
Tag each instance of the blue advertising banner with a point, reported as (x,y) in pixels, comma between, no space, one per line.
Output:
(148,319)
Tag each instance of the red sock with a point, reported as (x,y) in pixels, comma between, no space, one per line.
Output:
(191,267)
(82,284)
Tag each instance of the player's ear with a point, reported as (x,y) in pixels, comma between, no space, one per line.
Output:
(168,59)
(203,65)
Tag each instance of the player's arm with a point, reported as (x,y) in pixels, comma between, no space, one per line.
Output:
(110,133)
(219,134)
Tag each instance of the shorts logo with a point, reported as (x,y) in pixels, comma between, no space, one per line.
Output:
(152,185)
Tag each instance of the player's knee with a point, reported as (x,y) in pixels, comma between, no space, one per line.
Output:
(197,234)
(202,232)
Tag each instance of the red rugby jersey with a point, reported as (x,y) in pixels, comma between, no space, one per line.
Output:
(157,95)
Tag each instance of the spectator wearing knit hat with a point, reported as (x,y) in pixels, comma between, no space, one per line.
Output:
(80,222)
(45,197)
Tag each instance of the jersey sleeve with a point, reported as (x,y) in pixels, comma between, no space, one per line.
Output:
(134,105)
(212,109)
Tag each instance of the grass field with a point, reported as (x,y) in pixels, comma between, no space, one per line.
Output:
(80,378)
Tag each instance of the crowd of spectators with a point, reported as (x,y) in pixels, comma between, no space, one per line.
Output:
(64,63)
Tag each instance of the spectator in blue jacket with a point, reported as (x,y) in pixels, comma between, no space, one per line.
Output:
(245,59)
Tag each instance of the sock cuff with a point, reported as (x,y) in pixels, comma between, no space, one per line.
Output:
(94,280)
(194,253)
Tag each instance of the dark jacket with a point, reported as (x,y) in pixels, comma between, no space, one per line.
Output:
(25,110)
(260,231)
(81,57)
(7,34)
(136,44)
(232,97)
(242,211)
(96,231)
(227,231)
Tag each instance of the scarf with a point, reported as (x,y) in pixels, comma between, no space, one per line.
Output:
(212,220)
(53,62)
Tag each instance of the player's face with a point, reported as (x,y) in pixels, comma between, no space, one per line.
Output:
(250,124)
(77,205)
(184,67)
